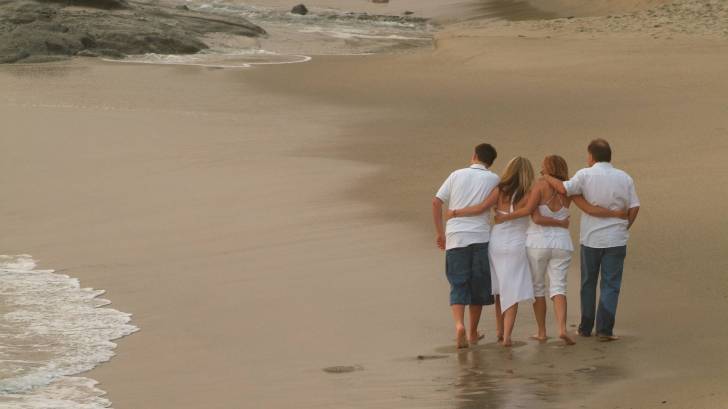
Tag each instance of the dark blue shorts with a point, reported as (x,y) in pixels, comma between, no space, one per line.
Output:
(468,272)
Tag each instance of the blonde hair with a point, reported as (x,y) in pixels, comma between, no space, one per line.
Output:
(517,179)
(556,166)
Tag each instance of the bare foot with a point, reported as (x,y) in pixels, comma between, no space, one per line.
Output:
(461,338)
(473,340)
(507,342)
(567,339)
(499,337)
(539,338)
(608,338)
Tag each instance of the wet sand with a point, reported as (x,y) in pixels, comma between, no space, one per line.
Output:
(265,224)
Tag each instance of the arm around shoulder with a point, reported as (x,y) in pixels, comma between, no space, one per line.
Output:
(556,184)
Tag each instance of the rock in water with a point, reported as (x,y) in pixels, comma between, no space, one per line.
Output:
(299,9)
(97,4)
(42,30)
(380,1)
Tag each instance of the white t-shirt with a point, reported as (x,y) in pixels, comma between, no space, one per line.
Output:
(463,188)
(605,186)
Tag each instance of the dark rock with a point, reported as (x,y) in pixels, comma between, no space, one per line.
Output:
(299,9)
(9,58)
(380,1)
(408,13)
(98,4)
(182,7)
(39,30)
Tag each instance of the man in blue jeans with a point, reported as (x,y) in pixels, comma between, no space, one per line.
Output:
(466,241)
(603,240)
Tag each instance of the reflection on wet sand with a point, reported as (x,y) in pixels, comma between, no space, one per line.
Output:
(489,376)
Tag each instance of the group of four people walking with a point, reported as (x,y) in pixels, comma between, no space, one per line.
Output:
(509,262)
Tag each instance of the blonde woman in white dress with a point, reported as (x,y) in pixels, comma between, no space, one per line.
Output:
(548,243)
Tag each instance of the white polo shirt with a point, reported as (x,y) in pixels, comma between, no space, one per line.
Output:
(463,188)
(605,186)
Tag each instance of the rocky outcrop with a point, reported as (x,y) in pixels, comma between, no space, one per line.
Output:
(299,9)
(43,30)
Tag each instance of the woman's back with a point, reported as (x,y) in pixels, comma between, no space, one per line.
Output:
(511,232)
(554,206)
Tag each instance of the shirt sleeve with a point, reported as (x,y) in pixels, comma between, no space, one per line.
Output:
(444,192)
(634,201)
(575,185)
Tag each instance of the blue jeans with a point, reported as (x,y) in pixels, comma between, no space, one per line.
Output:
(610,262)
(468,272)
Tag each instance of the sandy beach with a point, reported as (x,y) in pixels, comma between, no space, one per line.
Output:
(265,224)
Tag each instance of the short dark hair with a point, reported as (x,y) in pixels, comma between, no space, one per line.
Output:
(486,153)
(600,150)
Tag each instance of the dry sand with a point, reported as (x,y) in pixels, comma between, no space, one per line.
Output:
(264,224)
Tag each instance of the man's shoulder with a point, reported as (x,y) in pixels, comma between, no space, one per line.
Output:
(622,174)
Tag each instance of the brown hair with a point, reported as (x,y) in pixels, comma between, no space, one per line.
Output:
(600,150)
(555,165)
(517,179)
(486,153)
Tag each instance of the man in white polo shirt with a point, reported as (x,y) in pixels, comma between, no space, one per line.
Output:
(603,240)
(466,241)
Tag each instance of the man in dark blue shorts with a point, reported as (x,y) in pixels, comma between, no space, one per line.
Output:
(465,240)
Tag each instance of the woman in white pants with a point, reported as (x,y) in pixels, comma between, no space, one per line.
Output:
(548,243)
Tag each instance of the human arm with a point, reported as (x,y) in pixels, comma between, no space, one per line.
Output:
(597,211)
(534,198)
(634,204)
(571,187)
(437,219)
(475,210)
(556,184)
(538,218)
(632,215)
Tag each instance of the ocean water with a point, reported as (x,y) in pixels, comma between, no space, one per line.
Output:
(51,330)
(295,38)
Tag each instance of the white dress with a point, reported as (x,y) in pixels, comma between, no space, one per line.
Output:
(509,270)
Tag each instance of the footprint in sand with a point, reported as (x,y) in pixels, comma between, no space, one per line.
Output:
(343,368)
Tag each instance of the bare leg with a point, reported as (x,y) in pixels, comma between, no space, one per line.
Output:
(475,311)
(509,320)
(539,309)
(458,314)
(498,319)
(560,309)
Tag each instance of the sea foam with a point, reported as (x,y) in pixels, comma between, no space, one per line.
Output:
(50,330)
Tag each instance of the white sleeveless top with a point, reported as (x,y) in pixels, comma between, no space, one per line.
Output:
(511,233)
(549,237)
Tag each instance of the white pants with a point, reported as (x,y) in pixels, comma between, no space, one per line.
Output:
(556,263)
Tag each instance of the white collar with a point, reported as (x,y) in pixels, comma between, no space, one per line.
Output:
(478,166)
(603,165)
